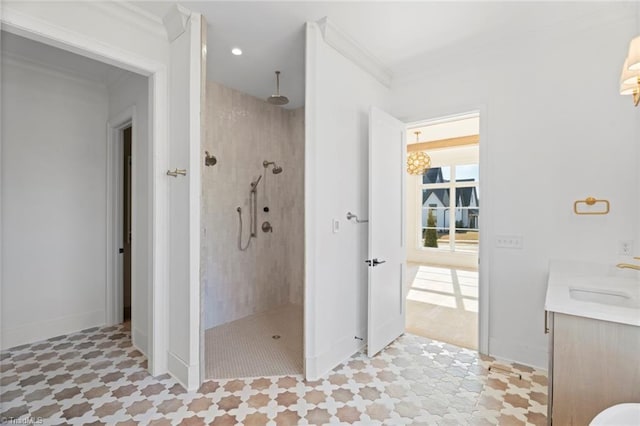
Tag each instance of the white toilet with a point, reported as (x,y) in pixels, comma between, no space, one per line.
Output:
(618,415)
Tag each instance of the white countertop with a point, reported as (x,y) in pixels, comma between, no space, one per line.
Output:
(567,275)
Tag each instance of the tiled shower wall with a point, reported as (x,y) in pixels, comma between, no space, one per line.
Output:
(242,131)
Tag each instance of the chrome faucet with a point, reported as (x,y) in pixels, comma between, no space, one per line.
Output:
(629,265)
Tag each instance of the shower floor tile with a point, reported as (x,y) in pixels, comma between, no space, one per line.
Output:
(246,347)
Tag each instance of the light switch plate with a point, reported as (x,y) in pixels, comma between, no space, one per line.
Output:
(509,241)
(336,226)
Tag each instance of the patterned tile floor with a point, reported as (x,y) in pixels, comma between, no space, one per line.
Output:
(97,377)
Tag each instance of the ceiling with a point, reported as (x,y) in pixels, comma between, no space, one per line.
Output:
(59,60)
(401,35)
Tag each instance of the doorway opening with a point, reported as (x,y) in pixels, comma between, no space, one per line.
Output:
(443,231)
(126,221)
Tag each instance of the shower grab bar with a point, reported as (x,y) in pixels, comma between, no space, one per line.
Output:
(353,216)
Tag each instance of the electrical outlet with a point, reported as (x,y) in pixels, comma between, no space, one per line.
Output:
(509,241)
(625,247)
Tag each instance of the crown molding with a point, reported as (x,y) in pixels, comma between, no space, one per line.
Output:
(175,21)
(134,15)
(350,49)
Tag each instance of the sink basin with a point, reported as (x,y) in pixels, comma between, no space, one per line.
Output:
(595,291)
(604,296)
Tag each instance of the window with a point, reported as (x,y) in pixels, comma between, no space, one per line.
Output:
(450,202)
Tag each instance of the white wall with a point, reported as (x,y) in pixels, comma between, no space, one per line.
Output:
(53,203)
(556,131)
(127,92)
(339,94)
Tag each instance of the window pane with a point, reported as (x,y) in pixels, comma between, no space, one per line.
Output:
(467,173)
(467,197)
(435,237)
(437,175)
(435,217)
(467,218)
(435,198)
(466,240)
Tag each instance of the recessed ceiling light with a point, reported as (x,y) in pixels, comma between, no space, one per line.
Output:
(236,51)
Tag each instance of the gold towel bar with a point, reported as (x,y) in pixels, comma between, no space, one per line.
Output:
(590,201)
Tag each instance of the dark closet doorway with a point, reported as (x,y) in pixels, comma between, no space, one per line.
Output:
(126,221)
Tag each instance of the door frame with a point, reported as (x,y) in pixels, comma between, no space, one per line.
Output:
(115,223)
(486,230)
(157,73)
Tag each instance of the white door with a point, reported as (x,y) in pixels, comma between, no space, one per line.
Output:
(184,200)
(387,253)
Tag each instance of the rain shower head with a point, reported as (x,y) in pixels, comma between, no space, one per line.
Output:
(276,169)
(278,99)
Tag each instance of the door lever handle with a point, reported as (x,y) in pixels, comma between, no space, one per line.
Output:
(374,262)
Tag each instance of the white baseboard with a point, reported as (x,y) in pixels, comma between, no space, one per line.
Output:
(187,375)
(140,341)
(318,366)
(41,330)
(522,353)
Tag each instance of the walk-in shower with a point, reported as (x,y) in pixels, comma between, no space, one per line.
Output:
(252,245)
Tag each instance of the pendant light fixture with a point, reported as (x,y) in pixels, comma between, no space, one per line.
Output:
(418,162)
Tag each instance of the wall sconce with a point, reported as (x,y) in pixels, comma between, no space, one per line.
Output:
(630,78)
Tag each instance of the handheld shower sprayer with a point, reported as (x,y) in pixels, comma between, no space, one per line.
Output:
(254,184)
